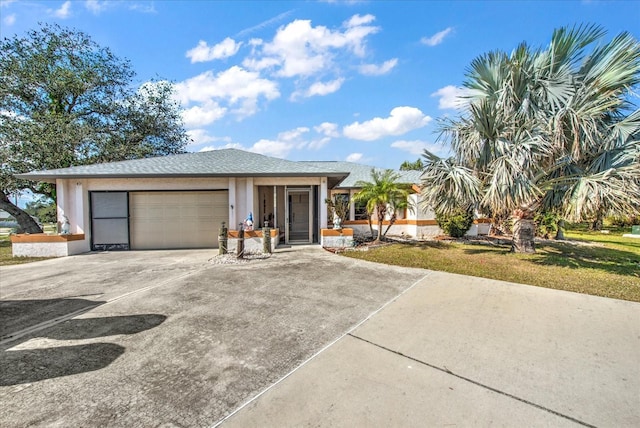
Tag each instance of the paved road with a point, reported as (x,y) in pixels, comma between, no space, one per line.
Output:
(166,337)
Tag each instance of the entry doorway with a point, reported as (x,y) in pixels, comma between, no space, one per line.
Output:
(299,214)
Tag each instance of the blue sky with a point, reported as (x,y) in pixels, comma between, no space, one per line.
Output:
(315,80)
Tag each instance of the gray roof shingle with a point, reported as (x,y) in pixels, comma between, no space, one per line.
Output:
(216,163)
(359,172)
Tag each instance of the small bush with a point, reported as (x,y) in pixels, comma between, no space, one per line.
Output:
(456,224)
(546,224)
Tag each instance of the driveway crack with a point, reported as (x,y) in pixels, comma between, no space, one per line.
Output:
(474,382)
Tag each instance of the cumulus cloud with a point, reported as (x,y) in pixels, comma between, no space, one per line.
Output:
(354,157)
(287,141)
(319,88)
(299,49)
(235,87)
(400,121)
(205,114)
(64,11)
(278,149)
(451,97)
(378,70)
(9,19)
(203,52)
(437,38)
(328,129)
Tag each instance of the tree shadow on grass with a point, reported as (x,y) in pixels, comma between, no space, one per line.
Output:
(19,365)
(574,256)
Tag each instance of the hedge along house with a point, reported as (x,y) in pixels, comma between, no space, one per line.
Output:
(180,201)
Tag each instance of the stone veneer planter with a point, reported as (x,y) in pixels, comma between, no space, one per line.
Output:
(336,238)
(43,245)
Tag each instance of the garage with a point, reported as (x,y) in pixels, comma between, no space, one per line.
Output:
(184,219)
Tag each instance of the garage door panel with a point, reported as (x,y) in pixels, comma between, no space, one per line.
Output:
(163,220)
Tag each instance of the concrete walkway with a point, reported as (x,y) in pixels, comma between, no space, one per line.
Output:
(461,351)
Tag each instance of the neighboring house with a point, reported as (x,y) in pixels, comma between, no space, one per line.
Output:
(180,201)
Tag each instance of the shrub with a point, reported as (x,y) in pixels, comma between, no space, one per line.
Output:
(456,224)
(546,224)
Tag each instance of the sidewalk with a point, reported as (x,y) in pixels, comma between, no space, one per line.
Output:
(463,351)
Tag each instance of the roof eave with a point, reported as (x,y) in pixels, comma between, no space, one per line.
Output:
(52,177)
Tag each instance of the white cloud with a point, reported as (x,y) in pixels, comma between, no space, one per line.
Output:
(300,49)
(226,146)
(417,147)
(293,134)
(279,149)
(95,6)
(328,129)
(378,70)
(319,143)
(319,88)
(234,86)
(64,11)
(437,38)
(202,136)
(400,121)
(354,157)
(203,52)
(9,19)
(206,114)
(451,97)
(143,7)
(357,20)
(264,24)
(4,3)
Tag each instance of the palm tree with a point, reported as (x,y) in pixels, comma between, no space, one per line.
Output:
(549,129)
(383,195)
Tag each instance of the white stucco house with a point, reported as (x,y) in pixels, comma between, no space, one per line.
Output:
(180,201)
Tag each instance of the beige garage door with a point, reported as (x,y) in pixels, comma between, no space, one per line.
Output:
(163,220)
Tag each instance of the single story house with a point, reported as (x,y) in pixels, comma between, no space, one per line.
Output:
(180,201)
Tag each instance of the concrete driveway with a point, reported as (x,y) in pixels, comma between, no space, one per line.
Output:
(166,338)
(470,352)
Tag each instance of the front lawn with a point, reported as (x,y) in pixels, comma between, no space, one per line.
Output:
(593,263)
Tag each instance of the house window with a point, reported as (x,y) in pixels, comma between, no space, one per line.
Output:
(360,209)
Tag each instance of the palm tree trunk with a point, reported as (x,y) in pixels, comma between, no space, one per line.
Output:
(27,224)
(524,232)
(560,232)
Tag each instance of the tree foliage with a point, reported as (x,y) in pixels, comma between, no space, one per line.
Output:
(383,195)
(417,165)
(550,128)
(66,101)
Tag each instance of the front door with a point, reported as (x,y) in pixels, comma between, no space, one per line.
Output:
(299,216)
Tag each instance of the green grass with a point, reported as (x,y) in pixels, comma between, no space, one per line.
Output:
(6,257)
(608,265)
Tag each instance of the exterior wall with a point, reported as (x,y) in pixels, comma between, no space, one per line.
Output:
(73,196)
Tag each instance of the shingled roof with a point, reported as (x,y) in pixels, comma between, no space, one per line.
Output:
(358,172)
(216,163)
